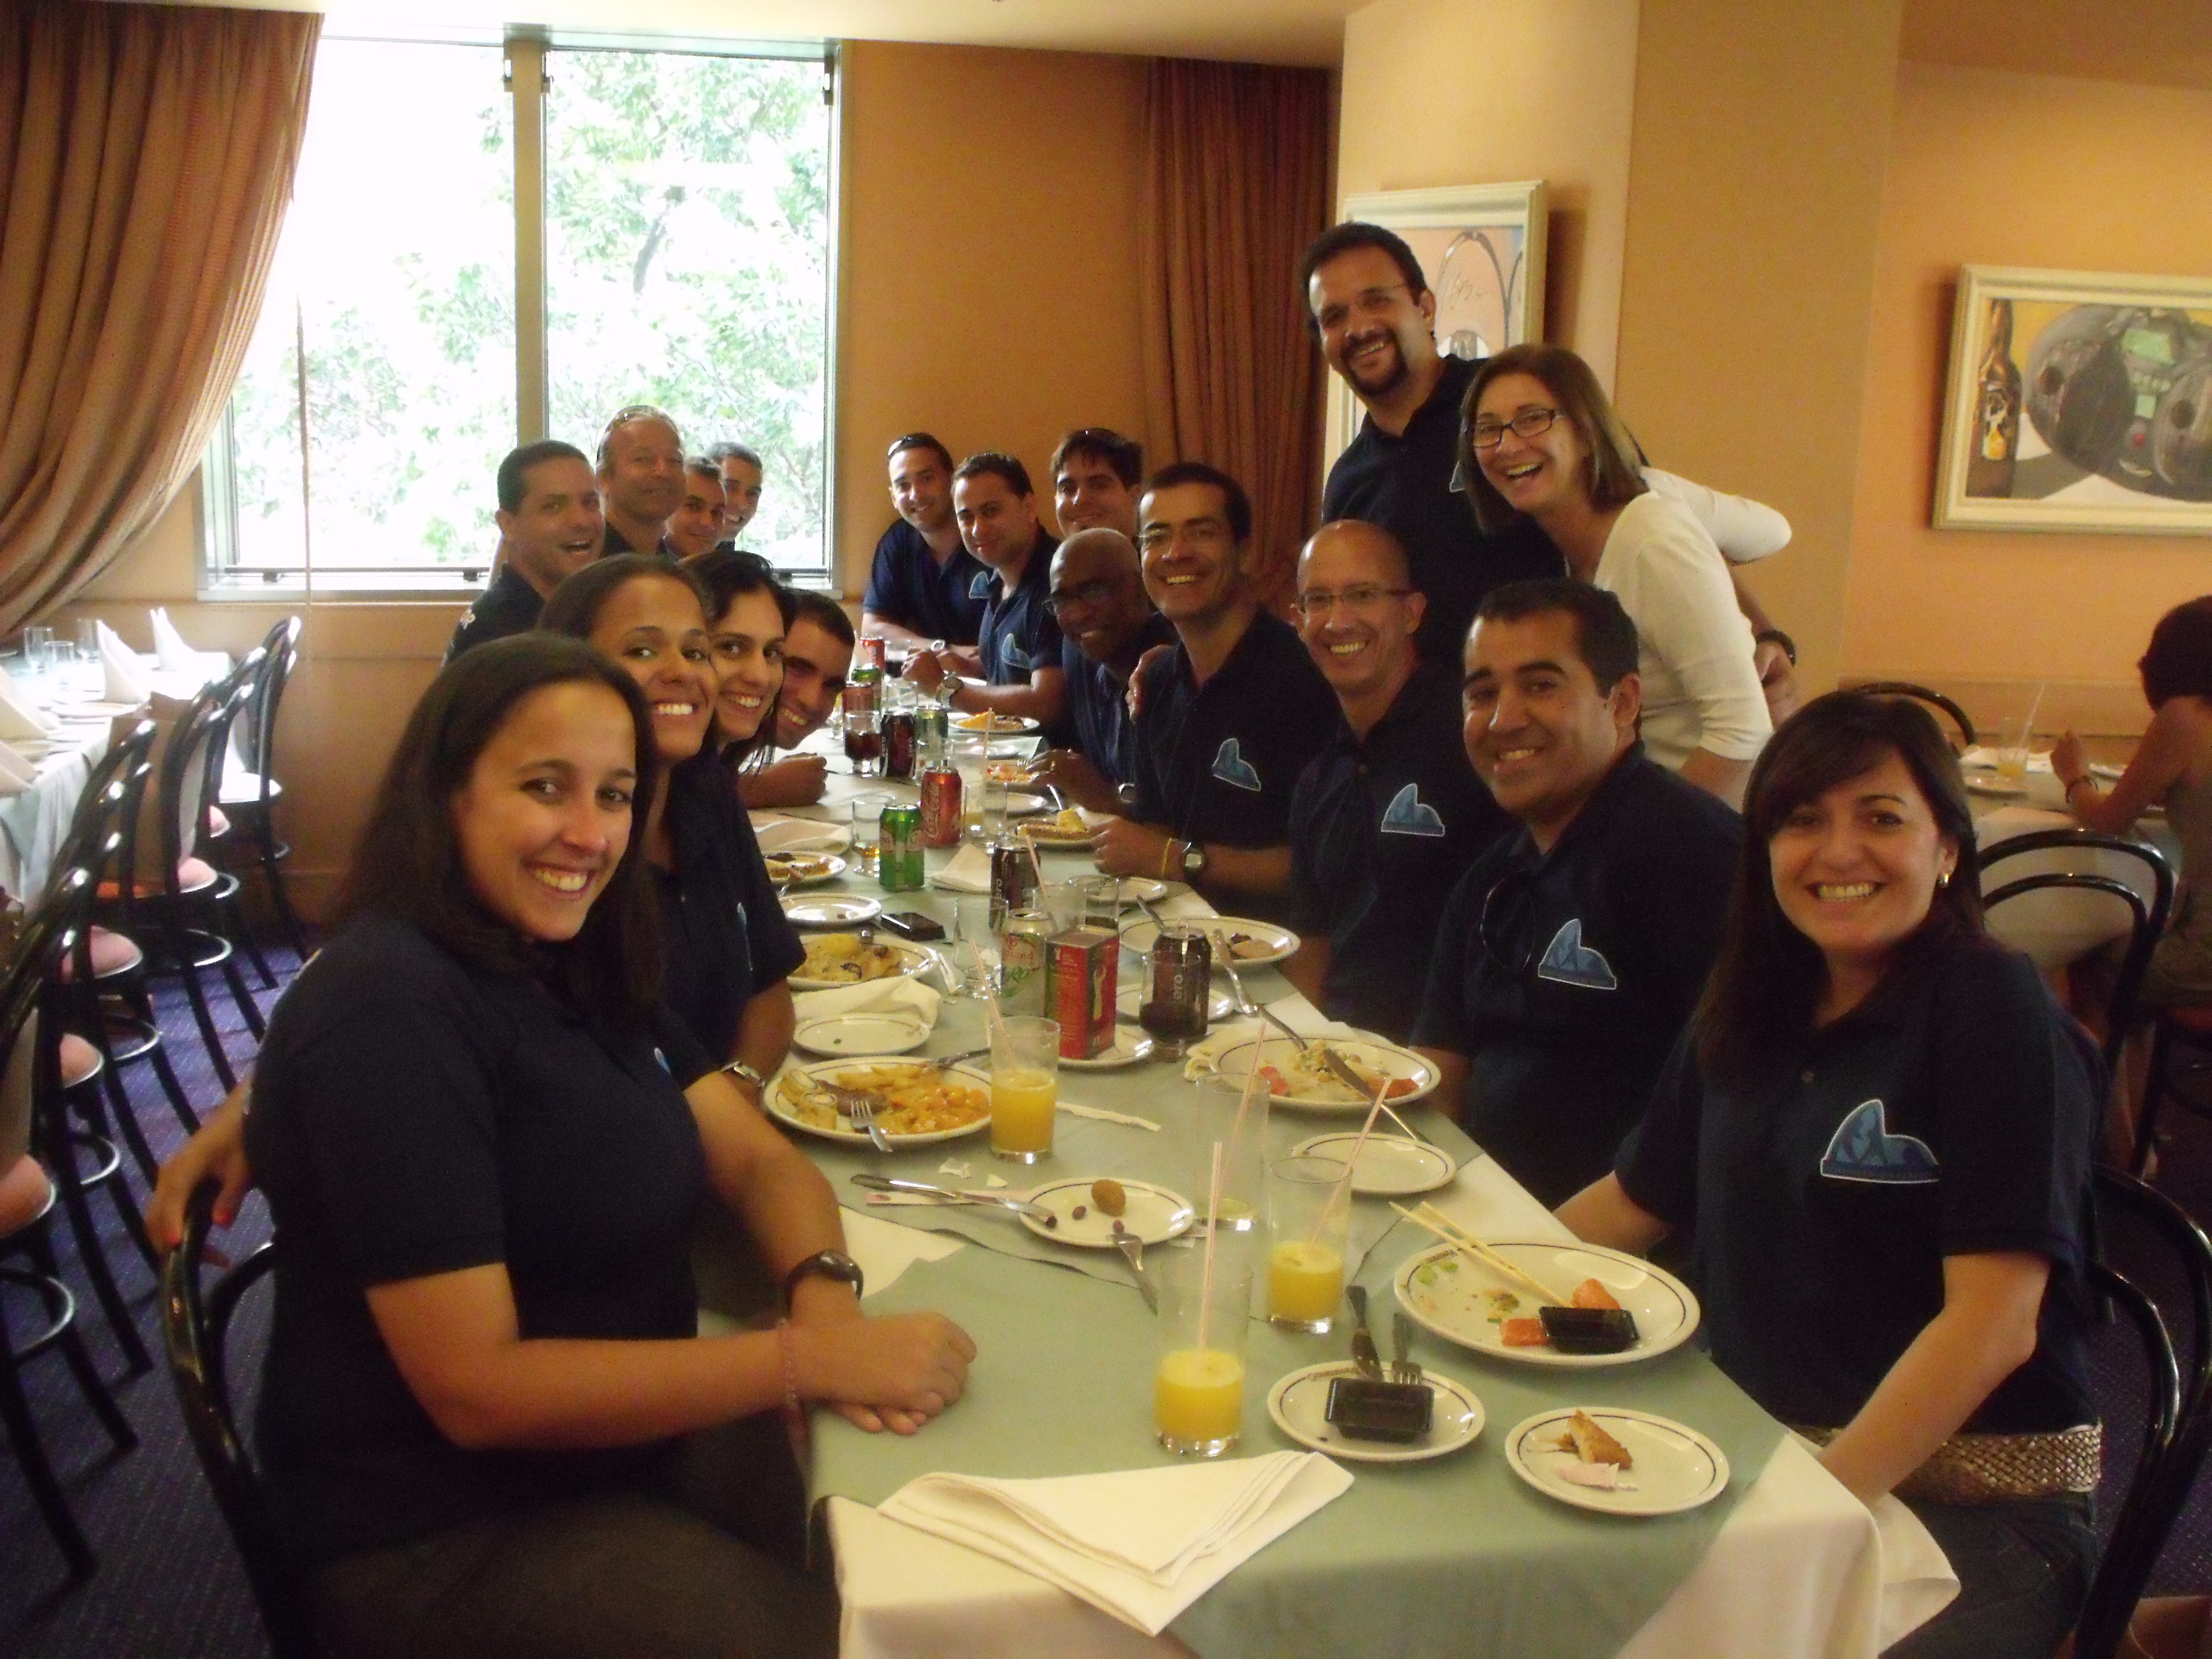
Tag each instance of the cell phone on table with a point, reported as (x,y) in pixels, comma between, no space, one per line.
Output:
(912,924)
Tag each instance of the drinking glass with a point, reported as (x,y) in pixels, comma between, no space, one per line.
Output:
(867,830)
(1024,1087)
(1063,902)
(88,637)
(1198,1385)
(1102,902)
(1213,1120)
(864,743)
(38,648)
(1307,1232)
(975,930)
(970,769)
(994,825)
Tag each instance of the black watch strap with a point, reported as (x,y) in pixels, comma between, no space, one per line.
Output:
(1775,635)
(828,1264)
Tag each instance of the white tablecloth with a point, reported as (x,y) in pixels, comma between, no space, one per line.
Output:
(32,823)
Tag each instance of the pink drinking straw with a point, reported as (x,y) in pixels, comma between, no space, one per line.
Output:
(1244,1104)
(1344,1182)
(1205,1285)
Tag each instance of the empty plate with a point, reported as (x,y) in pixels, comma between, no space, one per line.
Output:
(1389,1166)
(831,910)
(844,1036)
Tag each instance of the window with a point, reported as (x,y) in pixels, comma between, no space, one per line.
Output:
(687,263)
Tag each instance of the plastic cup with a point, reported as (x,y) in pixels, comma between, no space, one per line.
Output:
(1024,1087)
(1212,1120)
(1306,1239)
(1198,1384)
(868,830)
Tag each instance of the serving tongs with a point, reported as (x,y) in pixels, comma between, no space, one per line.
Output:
(1005,1201)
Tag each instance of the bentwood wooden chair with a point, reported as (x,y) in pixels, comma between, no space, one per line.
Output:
(250,796)
(1959,717)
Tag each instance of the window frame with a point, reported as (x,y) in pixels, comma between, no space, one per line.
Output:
(525,47)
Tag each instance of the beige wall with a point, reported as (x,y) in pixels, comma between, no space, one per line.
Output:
(989,261)
(1452,92)
(1989,167)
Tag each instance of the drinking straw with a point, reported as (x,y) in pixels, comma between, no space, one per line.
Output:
(2027,725)
(1244,1102)
(1343,1189)
(1206,1285)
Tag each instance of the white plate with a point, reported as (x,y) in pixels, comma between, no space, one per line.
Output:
(834,867)
(1390,1166)
(1450,1302)
(847,1034)
(912,960)
(1002,726)
(779,1108)
(1997,788)
(1675,1468)
(1299,1404)
(831,910)
(1233,1061)
(1025,802)
(1153,1214)
(1130,998)
(1129,1048)
(1279,941)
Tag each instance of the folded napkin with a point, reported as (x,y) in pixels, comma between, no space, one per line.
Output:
(1140,1544)
(128,680)
(1982,755)
(778,833)
(904,996)
(170,650)
(968,870)
(19,716)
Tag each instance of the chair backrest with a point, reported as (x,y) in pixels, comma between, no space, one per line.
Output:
(281,649)
(2178,1419)
(195,1327)
(96,826)
(2146,914)
(1933,698)
(23,975)
(191,766)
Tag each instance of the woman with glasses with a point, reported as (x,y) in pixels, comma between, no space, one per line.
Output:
(1539,440)
(1876,1131)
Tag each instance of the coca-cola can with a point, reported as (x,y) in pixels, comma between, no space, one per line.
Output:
(941,823)
(1014,877)
(898,745)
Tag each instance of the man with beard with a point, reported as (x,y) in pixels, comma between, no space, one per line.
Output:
(924,584)
(640,478)
(1106,624)
(818,655)
(1372,311)
(550,524)
(1095,473)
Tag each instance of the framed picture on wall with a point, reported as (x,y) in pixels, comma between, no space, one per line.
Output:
(1481,247)
(2079,401)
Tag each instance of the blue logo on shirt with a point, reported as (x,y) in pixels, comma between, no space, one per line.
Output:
(663,1058)
(1864,1150)
(1407,814)
(1013,656)
(1233,769)
(1568,961)
(979,586)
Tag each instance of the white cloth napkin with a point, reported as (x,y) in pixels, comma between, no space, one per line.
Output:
(904,996)
(968,870)
(16,773)
(1917,1580)
(2039,760)
(171,654)
(128,680)
(778,833)
(1140,1544)
(19,717)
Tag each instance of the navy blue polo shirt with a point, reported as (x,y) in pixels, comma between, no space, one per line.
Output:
(1950,1114)
(1564,978)
(907,586)
(1380,830)
(1018,635)
(509,605)
(617,543)
(416,1114)
(725,933)
(1404,484)
(1098,703)
(1220,762)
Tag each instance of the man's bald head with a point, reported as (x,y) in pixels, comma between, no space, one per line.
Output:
(1357,614)
(1368,548)
(1094,555)
(1098,592)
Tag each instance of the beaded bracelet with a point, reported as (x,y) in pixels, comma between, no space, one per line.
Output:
(790,1371)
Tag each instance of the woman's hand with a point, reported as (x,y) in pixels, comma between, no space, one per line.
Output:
(217,1151)
(2069,759)
(896,1372)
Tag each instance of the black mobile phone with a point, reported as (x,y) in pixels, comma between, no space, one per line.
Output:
(912,924)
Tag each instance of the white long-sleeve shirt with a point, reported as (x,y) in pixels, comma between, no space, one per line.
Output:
(1745,531)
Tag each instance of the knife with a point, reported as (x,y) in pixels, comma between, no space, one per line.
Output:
(1363,1341)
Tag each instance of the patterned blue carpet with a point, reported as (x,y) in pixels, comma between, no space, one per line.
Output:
(168,1583)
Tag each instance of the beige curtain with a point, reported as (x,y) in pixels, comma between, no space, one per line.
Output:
(146,157)
(1237,184)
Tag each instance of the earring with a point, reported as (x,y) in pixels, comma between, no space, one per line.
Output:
(1943,880)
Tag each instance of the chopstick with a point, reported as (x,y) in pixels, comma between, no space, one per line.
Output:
(1468,1244)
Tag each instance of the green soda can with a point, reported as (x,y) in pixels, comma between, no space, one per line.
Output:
(899,866)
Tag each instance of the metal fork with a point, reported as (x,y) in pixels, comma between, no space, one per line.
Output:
(1404,1368)
(859,1105)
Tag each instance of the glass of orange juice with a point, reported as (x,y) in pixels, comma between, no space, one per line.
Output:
(1198,1387)
(1307,1231)
(1024,1087)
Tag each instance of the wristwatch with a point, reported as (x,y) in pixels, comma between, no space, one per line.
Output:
(751,1075)
(1193,861)
(828,1264)
(1776,636)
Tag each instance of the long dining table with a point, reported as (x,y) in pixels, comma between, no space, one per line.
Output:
(1453,1556)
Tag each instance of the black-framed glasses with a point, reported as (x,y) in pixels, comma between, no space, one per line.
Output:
(1528,424)
(1366,596)
(1505,913)
(1091,594)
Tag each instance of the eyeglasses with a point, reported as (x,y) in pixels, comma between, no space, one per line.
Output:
(1199,533)
(1091,594)
(1528,424)
(1505,908)
(1365,597)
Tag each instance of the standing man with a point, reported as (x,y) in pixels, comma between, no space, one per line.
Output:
(1229,717)
(1572,954)
(1371,309)
(1095,473)
(1390,815)
(1017,644)
(741,472)
(696,524)
(550,524)
(1106,624)
(640,478)
(924,584)
(818,655)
